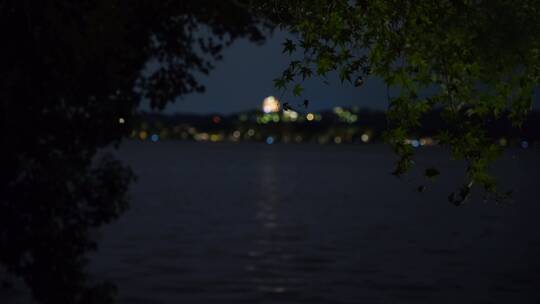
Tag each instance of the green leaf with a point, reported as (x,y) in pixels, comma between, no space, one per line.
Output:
(279,83)
(289,46)
(324,65)
(305,72)
(298,89)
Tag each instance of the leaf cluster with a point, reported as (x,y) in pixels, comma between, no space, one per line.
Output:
(475,60)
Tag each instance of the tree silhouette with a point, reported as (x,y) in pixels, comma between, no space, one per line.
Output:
(70,71)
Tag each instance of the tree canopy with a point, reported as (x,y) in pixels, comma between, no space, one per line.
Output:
(476,61)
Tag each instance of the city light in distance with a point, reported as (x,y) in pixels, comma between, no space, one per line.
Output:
(364,138)
(270,105)
(143,135)
(291,115)
(341,125)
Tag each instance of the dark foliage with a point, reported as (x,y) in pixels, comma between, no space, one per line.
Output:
(69,71)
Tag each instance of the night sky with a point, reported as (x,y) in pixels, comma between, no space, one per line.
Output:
(244,78)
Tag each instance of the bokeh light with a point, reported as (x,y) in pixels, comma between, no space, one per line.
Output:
(270,105)
(290,114)
(143,135)
(201,136)
(364,138)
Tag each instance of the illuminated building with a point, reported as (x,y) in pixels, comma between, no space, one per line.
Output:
(270,105)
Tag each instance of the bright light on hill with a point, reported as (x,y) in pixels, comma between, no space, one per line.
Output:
(270,105)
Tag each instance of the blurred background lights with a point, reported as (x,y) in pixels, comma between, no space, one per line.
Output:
(364,138)
(427,141)
(285,126)
(143,135)
(270,105)
(292,115)
(201,136)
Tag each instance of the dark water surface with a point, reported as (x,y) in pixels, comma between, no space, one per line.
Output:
(251,223)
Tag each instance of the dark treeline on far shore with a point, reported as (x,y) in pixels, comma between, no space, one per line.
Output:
(337,125)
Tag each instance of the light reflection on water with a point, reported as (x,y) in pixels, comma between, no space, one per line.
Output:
(271,255)
(314,224)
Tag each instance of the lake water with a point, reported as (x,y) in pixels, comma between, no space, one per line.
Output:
(254,223)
